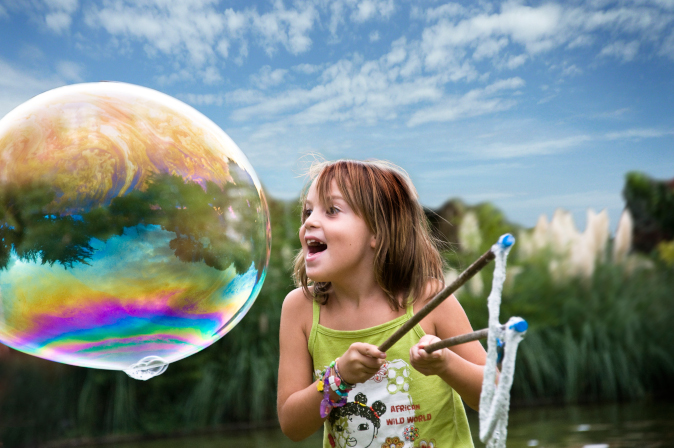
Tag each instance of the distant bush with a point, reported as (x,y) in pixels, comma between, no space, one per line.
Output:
(651,203)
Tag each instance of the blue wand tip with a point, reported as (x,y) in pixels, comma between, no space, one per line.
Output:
(520,326)
(506,240)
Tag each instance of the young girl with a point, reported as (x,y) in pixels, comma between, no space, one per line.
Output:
(367,264)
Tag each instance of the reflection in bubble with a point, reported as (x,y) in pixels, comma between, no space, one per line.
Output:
(130,226)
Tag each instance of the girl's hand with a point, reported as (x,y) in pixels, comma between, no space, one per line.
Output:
(360,362)
(428,363)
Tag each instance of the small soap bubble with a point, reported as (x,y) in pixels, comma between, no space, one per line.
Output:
(147,368)
(132,229)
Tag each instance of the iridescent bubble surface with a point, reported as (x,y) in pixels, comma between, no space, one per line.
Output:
(131,226)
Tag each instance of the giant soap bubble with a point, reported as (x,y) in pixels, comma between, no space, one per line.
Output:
(133,230)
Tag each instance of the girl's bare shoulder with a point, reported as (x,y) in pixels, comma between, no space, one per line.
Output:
(298,308)
(447,317)
(433,286)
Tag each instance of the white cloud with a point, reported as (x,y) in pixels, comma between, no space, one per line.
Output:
(595,199)
(475,102)
(211,75)
(613,113)
(18,85)
(176,76)
(667,48)
(571,70)
(58,21)
(187,30)
(267,77)
(518,32)
(639,133)
(374,36)
(196,34)
(288,27)
(445,11)
(369,9)
(307,69)
(70,71)
(59,15)
(621,50)
(558,145)
(350,90)
(541,147)
(515,61)
(207,99)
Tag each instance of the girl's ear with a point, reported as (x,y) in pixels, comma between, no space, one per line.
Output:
(373,241)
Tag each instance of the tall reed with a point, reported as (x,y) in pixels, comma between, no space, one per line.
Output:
(608,338)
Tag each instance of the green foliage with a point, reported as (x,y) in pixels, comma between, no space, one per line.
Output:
(651,204)
(37,227)
(666,252)
(606,339)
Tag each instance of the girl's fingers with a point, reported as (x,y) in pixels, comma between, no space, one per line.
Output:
(370,350)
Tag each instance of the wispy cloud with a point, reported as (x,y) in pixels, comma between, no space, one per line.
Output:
(475,102)
(18,85)
(517,30)
(267,77)
(70,71)
(59,14)
(596,199)
(564,144)
(367,9)
(639,133)
(626,51)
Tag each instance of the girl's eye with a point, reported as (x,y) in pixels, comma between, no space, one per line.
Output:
(332,210)
(363,427)
(306,213)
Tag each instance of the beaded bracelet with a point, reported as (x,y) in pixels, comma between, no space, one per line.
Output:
(346,384)
(336,384)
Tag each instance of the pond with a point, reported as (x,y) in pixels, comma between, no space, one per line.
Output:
(600,426)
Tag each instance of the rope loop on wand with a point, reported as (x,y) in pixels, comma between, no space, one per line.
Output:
(495,397)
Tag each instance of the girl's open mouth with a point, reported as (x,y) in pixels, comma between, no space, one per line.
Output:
(315,246)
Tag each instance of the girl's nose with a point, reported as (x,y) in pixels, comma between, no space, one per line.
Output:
(311,221)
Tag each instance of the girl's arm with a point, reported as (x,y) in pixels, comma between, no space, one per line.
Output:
(298,400)
(460,366)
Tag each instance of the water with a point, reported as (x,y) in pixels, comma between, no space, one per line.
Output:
(643,425)
(599,426)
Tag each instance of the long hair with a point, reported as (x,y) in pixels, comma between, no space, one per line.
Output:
(382,194)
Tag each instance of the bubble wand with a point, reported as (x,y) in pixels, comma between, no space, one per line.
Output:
(494,398)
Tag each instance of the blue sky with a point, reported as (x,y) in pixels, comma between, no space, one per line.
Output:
(529,105)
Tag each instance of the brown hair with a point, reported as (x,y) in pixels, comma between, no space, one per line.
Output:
(382,194)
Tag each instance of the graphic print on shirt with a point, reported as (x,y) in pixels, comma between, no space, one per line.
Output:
(379,412)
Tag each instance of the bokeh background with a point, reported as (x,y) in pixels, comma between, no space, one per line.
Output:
(519,116)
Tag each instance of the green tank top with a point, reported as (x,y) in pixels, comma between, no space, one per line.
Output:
(398,407)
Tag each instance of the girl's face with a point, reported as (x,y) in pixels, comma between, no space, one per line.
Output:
(337,243)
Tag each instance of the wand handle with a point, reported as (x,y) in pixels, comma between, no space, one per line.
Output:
(437,300)
(456,340)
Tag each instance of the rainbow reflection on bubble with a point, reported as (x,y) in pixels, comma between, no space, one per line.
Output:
(131,226)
